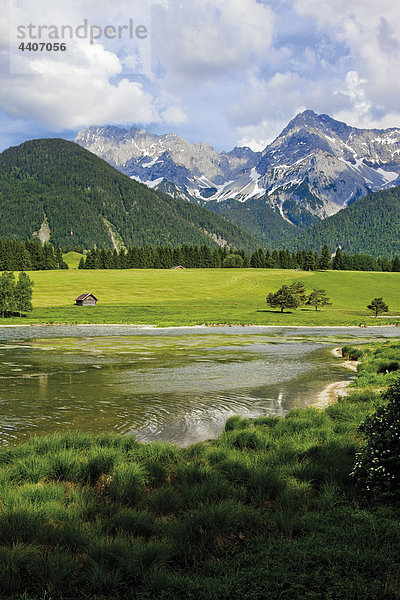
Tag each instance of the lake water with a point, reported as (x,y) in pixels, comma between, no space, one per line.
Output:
(177,384)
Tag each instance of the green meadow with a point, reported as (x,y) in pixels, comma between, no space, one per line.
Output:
(205,296)
(72,259)
(269,509)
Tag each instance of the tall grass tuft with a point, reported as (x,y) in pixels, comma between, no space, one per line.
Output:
(138,524)
(206,530)
(99,462)
(165,501)
(127,483)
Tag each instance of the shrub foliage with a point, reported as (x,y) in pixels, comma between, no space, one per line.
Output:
(377,467)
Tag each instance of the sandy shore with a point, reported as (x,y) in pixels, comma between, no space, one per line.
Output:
(347,364)
(331,393)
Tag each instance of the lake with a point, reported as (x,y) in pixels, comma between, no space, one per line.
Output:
(177,384)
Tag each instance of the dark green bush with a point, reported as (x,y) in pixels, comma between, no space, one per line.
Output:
(250,439)
(351,353)
(388,366)
(165,501)
(377,467)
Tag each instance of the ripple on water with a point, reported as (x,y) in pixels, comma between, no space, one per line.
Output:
(177,386)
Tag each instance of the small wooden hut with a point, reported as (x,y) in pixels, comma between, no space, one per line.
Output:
(86,300)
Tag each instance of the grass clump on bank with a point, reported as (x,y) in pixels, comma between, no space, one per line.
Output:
(270,509)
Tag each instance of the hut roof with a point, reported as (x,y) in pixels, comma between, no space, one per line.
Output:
(84,296)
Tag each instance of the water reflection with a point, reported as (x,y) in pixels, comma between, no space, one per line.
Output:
(172,385)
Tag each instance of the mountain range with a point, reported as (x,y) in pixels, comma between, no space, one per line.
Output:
(314,168)
(319,182)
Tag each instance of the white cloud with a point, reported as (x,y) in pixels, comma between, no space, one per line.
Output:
(199,41)
(265,107)
(370,31)
(84,85)
(360,87)
(238,68)
(77,92)
(196,42)
(174,115)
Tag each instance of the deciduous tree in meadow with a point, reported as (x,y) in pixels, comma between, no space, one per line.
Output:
(15,296)
(23,293)
(318,298)
(283,298)
(378,306)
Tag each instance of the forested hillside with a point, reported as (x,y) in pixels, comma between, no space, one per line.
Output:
(258,218)
(370,225)
(82,201)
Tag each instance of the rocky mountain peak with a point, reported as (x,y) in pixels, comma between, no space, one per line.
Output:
(315,167)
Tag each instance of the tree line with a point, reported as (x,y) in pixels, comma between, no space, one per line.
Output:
(32,255)
(192,257)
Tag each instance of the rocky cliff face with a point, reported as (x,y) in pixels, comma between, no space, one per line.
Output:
(315,167)
(152,158)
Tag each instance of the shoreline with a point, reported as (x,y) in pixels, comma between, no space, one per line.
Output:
(201,326)
(330,394)
(352,365)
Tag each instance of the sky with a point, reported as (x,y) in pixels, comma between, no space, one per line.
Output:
(226,72)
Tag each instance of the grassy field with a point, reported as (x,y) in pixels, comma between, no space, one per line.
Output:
(206,296)
(72,259)
(267,510)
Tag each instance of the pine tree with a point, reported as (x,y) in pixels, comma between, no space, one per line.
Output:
(123,259)
(396,264)
(218,258)
(206,257)
(309,262)
(300,258)
(338,262)
(82,264)
(269,261)
(284,259)
(61,264)
(177,257)
(49,261)
(114,260)
(298,289)
(7,293)
(35,250)
(384,264)
(23,259)
(325,261)
(133,258)
(104,259)
(257,259)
